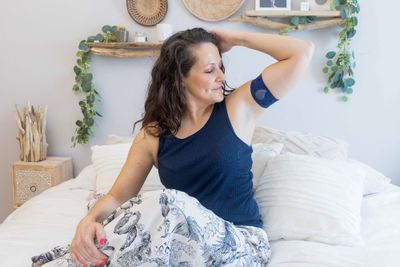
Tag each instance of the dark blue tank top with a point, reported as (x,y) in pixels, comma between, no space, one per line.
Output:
(213,165)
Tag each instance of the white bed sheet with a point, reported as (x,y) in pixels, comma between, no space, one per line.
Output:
(45,221)
(50,219)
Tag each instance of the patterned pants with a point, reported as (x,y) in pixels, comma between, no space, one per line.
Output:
(170,228)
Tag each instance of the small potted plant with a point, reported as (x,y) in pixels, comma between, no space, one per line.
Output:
(121,34)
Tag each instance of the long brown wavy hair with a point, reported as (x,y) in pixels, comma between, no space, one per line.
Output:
(166,102)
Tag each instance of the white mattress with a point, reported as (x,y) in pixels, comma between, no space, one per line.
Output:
(50,219)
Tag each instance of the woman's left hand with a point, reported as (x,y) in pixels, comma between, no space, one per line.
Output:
(226,39)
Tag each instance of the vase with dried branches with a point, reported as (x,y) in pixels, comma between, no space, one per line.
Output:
(31,123)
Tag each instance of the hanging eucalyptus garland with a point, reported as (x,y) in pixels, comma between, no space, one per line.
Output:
(84,84)
(340,64)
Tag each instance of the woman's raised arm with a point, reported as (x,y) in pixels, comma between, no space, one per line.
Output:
(293,56)
(248,101)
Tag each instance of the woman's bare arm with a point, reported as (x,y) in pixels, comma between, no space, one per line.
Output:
(140,160)
(293,56)
(138,164)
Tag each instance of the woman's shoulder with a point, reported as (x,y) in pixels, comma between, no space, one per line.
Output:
(149,132)
(148,135)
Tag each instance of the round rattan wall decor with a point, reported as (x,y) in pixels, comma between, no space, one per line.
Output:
(147,12)
(213,10)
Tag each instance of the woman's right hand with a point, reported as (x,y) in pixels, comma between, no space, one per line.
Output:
(227,39)
(83,250)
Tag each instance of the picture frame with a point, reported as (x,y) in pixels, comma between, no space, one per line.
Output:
(272,4)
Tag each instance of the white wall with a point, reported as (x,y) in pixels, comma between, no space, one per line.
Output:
(37,53)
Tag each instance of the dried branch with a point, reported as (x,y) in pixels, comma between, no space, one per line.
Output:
(31,123)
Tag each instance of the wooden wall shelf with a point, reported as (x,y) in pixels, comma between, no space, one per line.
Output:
(126,49)
(291,13)
(275,19)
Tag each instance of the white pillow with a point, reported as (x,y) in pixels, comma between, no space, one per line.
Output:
(374,181)
(300,143)
(307,198)
(113,139)
(108,161)
(87,178)
(261,154)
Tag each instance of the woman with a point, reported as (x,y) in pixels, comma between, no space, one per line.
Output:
(200,141)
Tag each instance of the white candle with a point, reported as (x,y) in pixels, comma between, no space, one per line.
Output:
(163,31)
(140,37)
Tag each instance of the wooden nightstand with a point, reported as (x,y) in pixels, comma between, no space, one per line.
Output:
(32,178)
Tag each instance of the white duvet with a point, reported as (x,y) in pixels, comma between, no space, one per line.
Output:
(50,219)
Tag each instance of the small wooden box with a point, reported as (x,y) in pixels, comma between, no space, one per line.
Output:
(32,178)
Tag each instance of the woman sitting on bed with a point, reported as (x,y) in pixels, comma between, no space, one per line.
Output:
(199,139)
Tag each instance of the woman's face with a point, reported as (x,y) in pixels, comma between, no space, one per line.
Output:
(205,79)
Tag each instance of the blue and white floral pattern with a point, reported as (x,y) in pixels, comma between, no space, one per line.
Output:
(170,228)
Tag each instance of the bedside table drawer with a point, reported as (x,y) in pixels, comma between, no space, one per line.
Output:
(32,178)
(29,183)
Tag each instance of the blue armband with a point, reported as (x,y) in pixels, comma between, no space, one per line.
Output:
(261,93)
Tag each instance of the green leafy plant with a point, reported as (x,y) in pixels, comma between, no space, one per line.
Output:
(295,21)
(84,84)
(340,64)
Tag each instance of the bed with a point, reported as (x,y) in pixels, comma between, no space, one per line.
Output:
(362,230)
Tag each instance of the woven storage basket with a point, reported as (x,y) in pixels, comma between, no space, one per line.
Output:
(213,10)
(147,12)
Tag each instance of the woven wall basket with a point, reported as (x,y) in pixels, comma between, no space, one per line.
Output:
(213,10)
(147,12)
